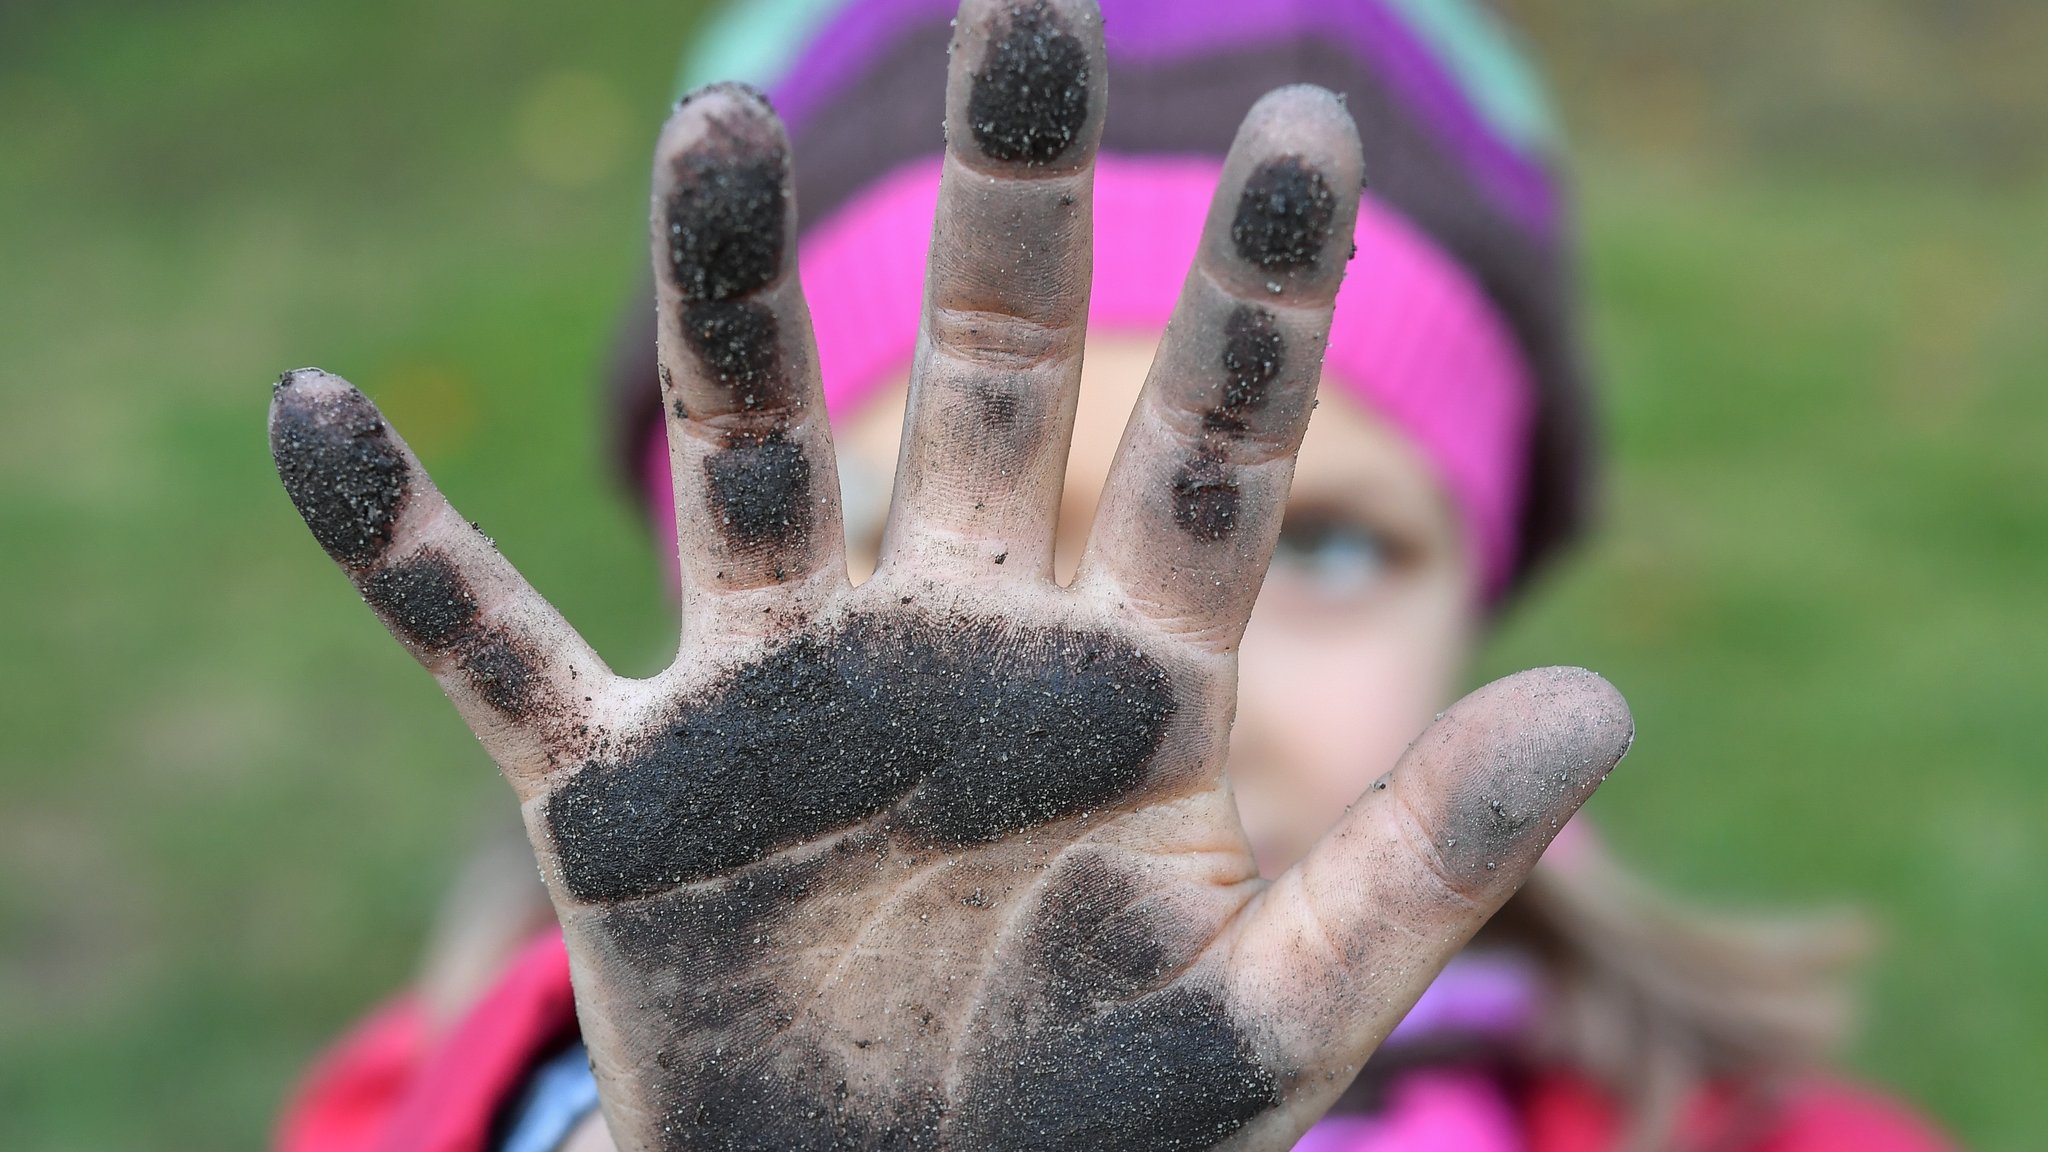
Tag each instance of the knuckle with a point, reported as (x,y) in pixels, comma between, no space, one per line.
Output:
(1456,886)
(1001,341)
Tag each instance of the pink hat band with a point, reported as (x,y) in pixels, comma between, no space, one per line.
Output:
(1414,338)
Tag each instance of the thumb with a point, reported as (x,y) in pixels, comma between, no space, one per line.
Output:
(1339,948)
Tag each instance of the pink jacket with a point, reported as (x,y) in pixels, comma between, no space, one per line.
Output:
(388,1086)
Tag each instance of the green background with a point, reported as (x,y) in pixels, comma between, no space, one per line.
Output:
(1818,254)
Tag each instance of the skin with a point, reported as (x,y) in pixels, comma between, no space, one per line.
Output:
(948,858)
(1361,632)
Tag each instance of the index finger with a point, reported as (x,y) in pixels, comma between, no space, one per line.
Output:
(1191,509)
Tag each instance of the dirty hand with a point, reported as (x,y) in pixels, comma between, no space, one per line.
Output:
(949,859)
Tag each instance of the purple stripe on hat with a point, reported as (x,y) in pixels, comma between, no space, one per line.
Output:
(1154,30)
(845,46)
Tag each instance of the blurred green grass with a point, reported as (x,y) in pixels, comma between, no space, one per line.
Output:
(231,802)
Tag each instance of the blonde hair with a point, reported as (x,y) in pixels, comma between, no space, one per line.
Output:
(1653,999)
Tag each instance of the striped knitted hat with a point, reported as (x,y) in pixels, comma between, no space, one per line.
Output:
(1473,350)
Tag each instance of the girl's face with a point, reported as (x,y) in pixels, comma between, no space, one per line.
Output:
(1362,630)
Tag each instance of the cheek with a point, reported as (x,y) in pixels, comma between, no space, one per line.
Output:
(1353,708)
(1324,712)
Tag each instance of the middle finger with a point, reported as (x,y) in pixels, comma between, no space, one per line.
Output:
(998,365)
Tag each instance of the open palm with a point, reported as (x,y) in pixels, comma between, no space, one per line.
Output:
(950,859)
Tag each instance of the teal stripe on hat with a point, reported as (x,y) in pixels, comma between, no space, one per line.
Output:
(754,42)
(1489,66)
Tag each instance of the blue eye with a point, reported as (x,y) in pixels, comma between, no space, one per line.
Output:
(1337,557)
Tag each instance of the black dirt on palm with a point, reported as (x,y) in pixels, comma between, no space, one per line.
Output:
(1029,102)
(976,728)
(1167,1072)
(714,959)
(1284,216)
(1110,1047)
(1103,1042)
(340,466)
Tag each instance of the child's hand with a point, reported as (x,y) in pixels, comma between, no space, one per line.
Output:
(949,859)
